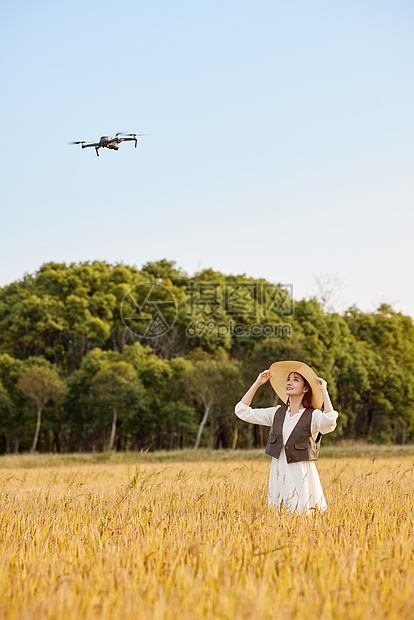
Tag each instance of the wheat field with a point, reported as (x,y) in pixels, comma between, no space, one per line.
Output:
(188,540)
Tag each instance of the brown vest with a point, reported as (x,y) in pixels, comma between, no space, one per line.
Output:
(300,446)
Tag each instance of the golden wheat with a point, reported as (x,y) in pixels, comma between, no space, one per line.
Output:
(197,540)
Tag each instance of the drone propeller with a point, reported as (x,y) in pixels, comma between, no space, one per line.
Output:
(79,142)
(132,135)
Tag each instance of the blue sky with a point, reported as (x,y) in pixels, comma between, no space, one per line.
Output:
(279,139)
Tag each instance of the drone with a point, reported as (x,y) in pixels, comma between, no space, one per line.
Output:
(108,142)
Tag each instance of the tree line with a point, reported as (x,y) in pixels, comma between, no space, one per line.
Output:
(96,356)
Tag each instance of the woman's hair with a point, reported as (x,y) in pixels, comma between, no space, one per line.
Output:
(307,397)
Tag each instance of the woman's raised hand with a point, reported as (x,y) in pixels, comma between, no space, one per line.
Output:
(263,377)
(322,383)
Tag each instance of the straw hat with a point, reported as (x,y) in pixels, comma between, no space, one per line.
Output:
(279,372)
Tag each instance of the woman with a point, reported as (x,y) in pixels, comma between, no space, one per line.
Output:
(295,435)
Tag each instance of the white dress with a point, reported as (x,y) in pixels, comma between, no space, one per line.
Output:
(295,486)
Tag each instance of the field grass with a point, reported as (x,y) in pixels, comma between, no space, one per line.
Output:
(342,449)
(195,539)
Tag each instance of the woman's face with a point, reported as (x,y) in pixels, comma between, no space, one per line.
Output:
(295,385)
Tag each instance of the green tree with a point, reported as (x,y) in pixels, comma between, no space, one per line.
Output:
(388,403)
(209,379)
(83,414)
(6,408)
(164,270)
(116,388)
(40,384)
(177,425)
(12,423)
